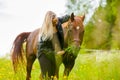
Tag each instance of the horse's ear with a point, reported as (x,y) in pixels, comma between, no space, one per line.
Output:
(72,17)
(83,17)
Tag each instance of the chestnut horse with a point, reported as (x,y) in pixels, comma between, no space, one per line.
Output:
(73,37)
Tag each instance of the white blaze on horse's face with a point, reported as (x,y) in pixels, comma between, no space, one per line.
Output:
(78,27)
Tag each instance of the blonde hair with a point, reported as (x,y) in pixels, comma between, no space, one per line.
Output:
(46,31)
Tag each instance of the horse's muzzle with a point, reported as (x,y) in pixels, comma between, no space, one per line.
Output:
(77,42)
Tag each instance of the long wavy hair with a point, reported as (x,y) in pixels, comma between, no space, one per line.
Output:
(46,31)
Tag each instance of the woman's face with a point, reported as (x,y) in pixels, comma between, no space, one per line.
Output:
(54,20)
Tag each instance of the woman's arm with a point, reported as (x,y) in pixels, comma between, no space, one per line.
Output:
(64,18)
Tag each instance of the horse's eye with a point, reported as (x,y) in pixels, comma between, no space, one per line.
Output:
(77,27)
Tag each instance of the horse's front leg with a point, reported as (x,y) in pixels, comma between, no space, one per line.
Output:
(30,61)
(67,70)
(68,61)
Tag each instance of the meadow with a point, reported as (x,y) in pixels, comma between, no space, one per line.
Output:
(101,65)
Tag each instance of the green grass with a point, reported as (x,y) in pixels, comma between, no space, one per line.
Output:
(94,66)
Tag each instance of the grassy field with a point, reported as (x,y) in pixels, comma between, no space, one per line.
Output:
(94,66)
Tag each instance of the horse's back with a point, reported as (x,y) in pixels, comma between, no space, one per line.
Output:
(32,42)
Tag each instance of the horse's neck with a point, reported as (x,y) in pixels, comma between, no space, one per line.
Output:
(67,36)
(64,26)
(66,39)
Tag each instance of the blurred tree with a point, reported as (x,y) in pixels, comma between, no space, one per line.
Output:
(105,21)
(115,17)
(80,7)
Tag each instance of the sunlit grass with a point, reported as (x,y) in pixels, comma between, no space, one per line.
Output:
(97,66)
(94,66)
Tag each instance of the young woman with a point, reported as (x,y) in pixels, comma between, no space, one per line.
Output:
(51,31)
(51,42)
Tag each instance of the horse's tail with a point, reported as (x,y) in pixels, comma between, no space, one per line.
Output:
(18,49)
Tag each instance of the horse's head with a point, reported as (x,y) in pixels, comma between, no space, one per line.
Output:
(74,31)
